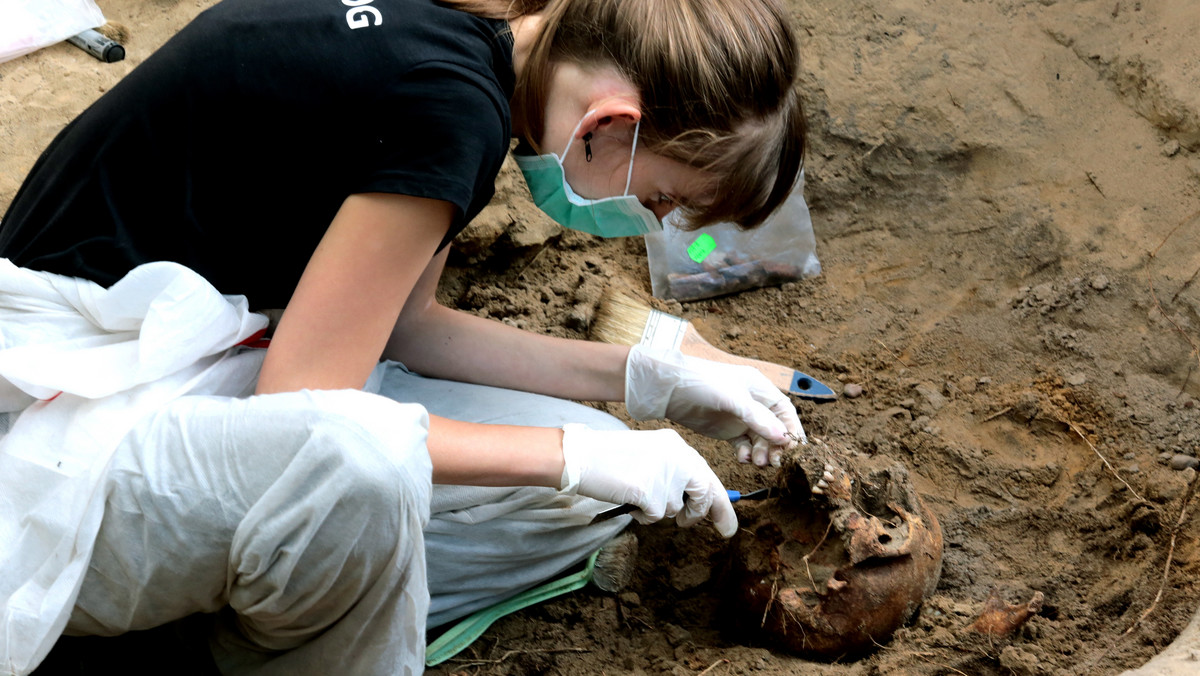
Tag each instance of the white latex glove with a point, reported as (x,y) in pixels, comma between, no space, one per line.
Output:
(724,401)
(651,469)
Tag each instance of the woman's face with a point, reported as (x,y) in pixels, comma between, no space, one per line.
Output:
(600,104)
(659,183)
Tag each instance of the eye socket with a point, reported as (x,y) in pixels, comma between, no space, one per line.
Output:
(664,198)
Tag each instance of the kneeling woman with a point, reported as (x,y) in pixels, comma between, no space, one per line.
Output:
(386,462)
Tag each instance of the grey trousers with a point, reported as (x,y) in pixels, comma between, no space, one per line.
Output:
(307,524)
(486,544)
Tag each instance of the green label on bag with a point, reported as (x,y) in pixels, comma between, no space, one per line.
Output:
(703,246)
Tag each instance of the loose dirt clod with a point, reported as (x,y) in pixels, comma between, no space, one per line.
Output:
(1000,618)
(833,574)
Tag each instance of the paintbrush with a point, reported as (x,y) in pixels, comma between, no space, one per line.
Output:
(623,320)
(615,563)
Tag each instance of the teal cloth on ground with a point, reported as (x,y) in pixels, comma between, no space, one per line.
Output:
(463,634)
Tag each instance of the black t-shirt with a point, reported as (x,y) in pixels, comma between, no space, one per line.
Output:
(231,148)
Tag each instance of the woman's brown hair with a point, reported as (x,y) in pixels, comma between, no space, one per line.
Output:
(716,78)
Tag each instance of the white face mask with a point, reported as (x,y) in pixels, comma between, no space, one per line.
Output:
(622,216)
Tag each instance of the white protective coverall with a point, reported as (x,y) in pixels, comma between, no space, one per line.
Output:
(141,483)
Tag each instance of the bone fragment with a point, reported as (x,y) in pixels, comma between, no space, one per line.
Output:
(1000,618)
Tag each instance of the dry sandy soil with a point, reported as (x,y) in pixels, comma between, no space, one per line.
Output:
(1004,194)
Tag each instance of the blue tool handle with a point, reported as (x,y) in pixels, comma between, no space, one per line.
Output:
(734,496)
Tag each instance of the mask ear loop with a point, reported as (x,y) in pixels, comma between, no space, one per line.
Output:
(632,151)
(589,159)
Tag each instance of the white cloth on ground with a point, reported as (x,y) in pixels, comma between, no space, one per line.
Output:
(99,359)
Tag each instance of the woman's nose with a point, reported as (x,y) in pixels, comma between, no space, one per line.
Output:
(660,209)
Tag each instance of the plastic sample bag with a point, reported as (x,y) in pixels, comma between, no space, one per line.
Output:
(28,25)
(723,258)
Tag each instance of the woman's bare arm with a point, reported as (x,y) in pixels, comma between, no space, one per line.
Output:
(354,287)
(362,276)
(441,342)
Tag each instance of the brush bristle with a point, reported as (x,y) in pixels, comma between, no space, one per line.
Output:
(615,563)
(620,319)
(114,31)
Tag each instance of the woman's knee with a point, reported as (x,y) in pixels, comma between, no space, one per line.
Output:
(363,460)
(242,449)
(343,514)
(378,444)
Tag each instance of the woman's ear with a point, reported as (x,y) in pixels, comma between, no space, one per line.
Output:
(613,113)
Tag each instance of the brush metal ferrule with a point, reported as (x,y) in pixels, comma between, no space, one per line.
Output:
(663,331)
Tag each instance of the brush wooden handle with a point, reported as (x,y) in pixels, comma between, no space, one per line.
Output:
(695,345)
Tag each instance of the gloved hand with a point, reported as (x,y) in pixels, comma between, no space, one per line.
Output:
(651,469)
(724,401)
